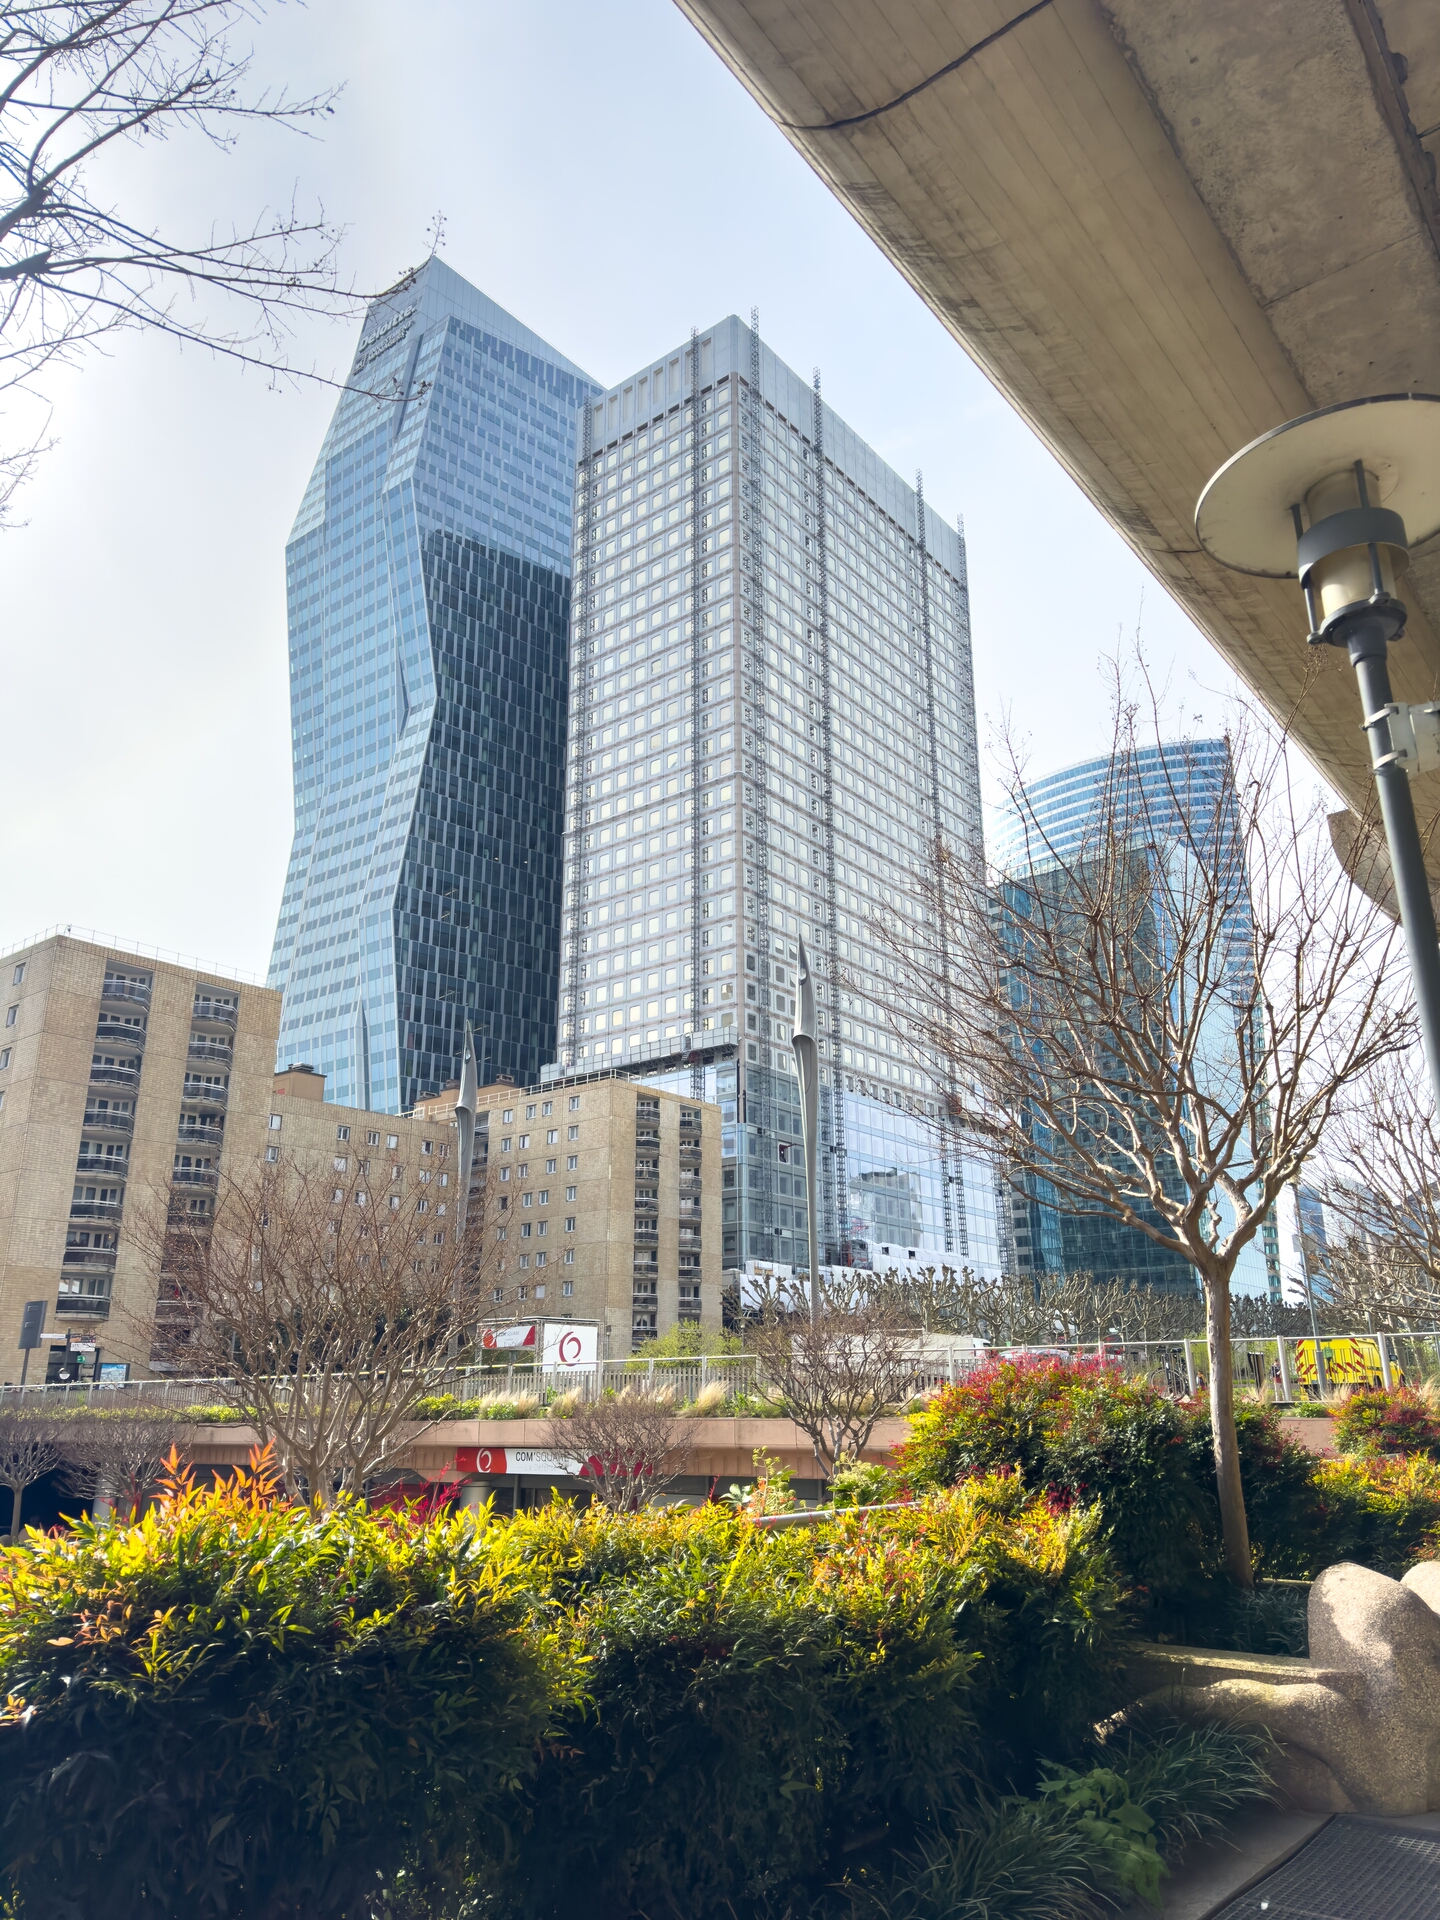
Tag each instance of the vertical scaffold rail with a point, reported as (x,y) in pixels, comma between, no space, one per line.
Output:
(759,1105)
(581,674)
(940,931)
(699,617)
(838,1181)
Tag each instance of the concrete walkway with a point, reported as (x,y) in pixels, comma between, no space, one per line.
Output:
(1239,1875)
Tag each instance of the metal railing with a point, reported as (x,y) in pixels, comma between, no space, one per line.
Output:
(213,1011)
(222,1052)
(1283,1370)
(116,1076)
(127,990)
(202,1091)
(117,1033)
(110,1121)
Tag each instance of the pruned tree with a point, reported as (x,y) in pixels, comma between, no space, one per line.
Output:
(31,1445)
(324,1305)
(80,77)
(117,1458)
(630,1444)
(1157,1013)
(836,1374)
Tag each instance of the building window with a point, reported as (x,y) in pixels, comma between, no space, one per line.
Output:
(548,1108)
(524,1142)
(530,1111)
(524,1260)
(342,1133)
(574,1103)
(522,1293)
(551,1165)
(4,1057)
(572,1163)
(572,1133)
(525,1231)
(10,1013)
(507,1116)
(528,1201)
(505,1144)
(544,1196)
(372,1139)
(552,1136)
(272,1154)
(497,1293)
(567,1287)
(569,1223)
(392,1141)
(341,1163)
(18,976)
(427,1146)
(540,1259)
(541,1230)
(275,1122)
(570,1192)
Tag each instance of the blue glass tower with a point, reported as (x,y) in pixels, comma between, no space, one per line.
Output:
(428,577)
(1182,794)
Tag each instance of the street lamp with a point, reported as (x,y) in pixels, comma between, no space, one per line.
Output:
(1304,500)
(807,1065)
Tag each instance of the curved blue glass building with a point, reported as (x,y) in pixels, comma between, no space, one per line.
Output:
(1185,789)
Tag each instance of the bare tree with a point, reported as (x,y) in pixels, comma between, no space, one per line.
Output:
(840,1373)
(1157,1016)
(31,1445)
(78,77)
(118,1457)
(1382,1183)
(326,1305)
(631,1444)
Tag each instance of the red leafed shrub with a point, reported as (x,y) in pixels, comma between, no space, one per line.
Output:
(1373,1421)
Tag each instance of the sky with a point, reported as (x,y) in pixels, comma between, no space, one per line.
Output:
(602,176)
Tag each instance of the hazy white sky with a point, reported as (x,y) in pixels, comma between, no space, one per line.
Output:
(604,178)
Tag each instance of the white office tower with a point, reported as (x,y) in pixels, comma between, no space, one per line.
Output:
(771,717)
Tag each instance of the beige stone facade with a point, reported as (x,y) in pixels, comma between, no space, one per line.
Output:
(602,1202)
(125,1083)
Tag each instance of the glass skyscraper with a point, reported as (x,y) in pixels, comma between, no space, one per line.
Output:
(772,717)
(1183,797)
(428,578)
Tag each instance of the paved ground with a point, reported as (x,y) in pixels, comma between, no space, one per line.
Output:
(1306,1866)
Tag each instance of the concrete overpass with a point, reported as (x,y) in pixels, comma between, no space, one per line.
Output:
(1160,227)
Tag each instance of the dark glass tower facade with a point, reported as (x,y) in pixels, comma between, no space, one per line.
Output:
(428,579)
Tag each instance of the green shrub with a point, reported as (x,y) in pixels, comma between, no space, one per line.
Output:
(1080,1432)
(760,1701)
(1278,1476)
(1373,1421)
(1383,1513)
(862,1483)
(1094,1835)
(238,1708)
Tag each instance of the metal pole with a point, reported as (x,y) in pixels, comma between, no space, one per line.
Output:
(1286,1391)
(807,1065)
(1386,1379)
(1322,1385)
(1407,862)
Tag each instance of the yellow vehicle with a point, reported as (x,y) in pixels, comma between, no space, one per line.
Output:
(1348,1363)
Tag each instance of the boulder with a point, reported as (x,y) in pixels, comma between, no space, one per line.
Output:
(1359,1721)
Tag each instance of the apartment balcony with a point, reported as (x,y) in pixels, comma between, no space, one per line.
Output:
(646,1234)
(124,993)
(200,1136)
(111,1165)
(96,1210)
(115,1033)
(195,1177)
(211,1013)
(203,1050)
(116,1076)
(109,1121)
(89,1260)
(86,1293)
(205,1093)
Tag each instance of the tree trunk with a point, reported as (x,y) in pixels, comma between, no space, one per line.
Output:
(1234,1528)
(17,1495)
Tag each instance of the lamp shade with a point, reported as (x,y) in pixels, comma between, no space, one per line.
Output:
(1244,518)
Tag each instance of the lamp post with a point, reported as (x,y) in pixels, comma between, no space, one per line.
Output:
(807,1065)
(1304,501)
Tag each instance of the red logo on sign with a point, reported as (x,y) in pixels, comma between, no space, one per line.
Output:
(570,1348)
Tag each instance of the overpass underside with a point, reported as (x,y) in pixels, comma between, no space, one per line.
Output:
(1160,227)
